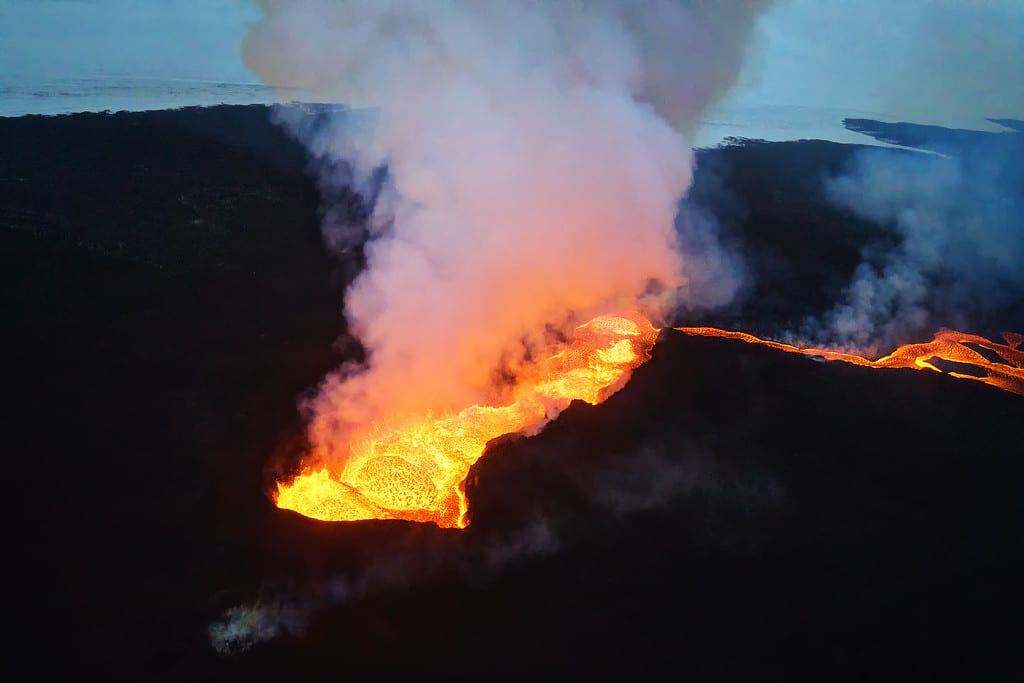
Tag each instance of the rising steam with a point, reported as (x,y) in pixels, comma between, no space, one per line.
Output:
(522,163)
(956,251)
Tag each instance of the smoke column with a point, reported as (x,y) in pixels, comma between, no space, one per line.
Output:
(522,162)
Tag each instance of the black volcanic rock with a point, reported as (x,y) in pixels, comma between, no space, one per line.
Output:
(801,514)
(799,250)
(733,512)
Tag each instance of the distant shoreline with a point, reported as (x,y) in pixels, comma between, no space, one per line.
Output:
(718,129)
(99,95)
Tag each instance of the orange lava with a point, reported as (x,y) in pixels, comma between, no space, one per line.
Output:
(948,345)
(416,470)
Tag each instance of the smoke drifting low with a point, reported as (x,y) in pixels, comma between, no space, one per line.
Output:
(957,246)
(522,161)
(725,496)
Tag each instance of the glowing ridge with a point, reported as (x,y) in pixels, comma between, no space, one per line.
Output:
(947,345)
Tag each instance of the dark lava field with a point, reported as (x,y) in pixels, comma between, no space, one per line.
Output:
(733,513)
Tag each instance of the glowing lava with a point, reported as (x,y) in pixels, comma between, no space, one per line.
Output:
(416,469)
(1003,368)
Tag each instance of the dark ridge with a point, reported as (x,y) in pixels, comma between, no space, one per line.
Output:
(988,354)
(956,366)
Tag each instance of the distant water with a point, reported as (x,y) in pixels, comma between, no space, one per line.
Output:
(780,123)
(71,95)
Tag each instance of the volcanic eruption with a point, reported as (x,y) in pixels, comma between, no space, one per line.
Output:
(689,479)
(416,469)
(521,165)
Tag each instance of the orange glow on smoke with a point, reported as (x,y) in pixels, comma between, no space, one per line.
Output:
(416,469)
(948,345)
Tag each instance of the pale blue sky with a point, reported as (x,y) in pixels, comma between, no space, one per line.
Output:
(933,61)
(192,39)
(942,60)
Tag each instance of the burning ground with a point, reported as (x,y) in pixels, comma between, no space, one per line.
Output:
(732,510)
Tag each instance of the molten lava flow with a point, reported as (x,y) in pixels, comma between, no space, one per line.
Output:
(948,345)
(416,469)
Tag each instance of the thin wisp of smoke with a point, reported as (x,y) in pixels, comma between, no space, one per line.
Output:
(618,486)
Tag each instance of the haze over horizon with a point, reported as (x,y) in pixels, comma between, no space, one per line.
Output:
(941,62)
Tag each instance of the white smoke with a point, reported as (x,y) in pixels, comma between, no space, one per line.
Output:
(957,249)
(524,161)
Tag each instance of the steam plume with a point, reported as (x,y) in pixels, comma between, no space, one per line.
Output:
(523,161)
(958,248)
